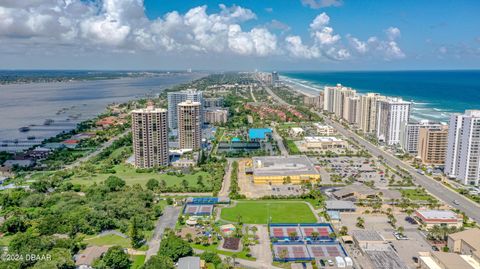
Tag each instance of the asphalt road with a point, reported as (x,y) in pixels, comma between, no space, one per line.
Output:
(434,187)
(167,220)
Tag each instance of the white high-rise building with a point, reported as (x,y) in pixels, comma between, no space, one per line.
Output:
(328,95)
(351,110)
(463,151)
(189,129)
(410,134)
(150,137)
(392,116)
(340,100)
(368,112)
(175,98)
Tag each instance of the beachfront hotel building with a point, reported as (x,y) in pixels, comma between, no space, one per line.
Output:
(150,137)
(392,116)
(463,151)
(189,125)
(410,134)
(368,112)
(328,95)
(432,145)
(175,98)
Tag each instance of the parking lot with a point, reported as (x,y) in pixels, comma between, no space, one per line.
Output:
(406,249)
(359,169)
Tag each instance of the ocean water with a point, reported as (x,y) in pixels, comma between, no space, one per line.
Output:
(435,94)
(68,103)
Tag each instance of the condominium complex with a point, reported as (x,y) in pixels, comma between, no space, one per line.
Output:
(215,115)
(463,152)
(409,136)
(339,100)
(189,125)
(213,102)
(432,144)
(150,137)
(328,96)
(393,115)
(314,101)
(368,112)
(175,98)
(351,110)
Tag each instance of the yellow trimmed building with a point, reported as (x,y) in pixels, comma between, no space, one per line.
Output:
(277,170)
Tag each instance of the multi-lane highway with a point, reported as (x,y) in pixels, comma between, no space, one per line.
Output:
(434,187)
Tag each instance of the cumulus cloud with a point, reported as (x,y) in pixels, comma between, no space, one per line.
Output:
(122,26)
(316,4)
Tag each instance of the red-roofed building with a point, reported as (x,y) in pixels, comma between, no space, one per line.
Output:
(439,217)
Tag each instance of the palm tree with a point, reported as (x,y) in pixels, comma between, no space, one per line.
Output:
(360,222)
(401,230)
(254,230)
(315,235)
(293,235)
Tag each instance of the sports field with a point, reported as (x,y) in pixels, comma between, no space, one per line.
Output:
(259,212)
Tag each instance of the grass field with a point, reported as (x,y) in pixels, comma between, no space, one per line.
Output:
(292,148)
(110,239)
(138,261)
(131,176)
(416,194)
(259,212)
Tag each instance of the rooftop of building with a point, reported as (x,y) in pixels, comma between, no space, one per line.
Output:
(189,103)
(90,254)
(189,263)
(470,236)
(448,260)
(258,133)
(313,139)
(367,235)
(339,204)
(355,188)
(283,166)
(150,109)
(437,215)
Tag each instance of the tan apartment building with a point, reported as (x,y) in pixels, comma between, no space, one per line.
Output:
(368,112)
(150,137)
(189,125)
(213,115)
(432,145)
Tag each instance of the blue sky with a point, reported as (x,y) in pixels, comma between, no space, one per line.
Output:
(241,35)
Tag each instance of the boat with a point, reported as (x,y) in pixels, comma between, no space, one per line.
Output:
(48,122)
(31,137)
(24,129)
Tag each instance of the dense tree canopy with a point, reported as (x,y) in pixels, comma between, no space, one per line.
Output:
(174,247)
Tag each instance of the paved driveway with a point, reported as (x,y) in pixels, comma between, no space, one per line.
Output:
(167,220)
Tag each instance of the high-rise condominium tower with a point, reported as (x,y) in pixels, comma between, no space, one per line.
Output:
(189,130)
(150,137)
(463,151)
(175,98)
(392,116)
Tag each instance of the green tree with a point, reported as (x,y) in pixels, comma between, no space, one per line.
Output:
(174,247)
(114,183)
(211,257)
(152,184)
(114,258)
(136,237)
(61,258)
(159,262)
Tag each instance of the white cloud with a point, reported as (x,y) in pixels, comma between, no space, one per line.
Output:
(122,26)
(392,33)
(316,4)
(320,21)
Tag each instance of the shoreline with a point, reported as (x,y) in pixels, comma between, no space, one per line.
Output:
(69,104)
(420,110)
